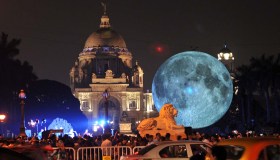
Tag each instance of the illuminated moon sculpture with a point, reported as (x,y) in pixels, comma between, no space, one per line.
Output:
(197,84)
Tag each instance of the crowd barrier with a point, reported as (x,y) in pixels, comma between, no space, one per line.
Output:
(70,153)
(100,153)
(137,149)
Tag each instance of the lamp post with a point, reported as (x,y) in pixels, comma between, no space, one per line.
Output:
(22,97)
(106,95)
(2,120)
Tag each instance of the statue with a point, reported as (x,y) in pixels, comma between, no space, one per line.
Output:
(163,124)
(104,7)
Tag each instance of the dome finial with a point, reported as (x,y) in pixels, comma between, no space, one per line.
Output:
(225,44)
(104,19)
(104,7)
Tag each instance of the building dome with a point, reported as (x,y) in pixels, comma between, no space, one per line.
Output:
(105,37)
(137,68)
(225,54)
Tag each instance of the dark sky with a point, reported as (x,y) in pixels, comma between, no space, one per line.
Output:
(53,32)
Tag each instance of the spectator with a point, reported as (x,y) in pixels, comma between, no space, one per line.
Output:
(167,137)
(219,153)
(158,137)
(106,143)
(59,153)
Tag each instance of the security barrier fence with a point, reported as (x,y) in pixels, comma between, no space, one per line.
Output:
(100,153)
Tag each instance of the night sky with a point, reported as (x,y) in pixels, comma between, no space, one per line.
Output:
(53,33)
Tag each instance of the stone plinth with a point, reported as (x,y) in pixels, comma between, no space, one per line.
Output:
(125,127)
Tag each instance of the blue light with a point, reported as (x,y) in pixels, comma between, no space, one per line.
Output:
(189,90)
(102,122)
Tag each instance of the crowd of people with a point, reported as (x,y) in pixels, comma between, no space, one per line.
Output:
(108,140)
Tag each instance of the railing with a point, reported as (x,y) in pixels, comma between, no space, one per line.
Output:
(70,153)
(137,149)
(99,153)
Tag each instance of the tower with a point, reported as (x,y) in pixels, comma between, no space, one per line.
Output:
(227,58)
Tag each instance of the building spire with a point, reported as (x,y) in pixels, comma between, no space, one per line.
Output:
(104,19)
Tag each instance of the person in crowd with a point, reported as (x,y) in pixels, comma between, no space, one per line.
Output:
(106,143)
(158,137)
(72,133)
(205,138)
(86,133)
(167,137)
(197,157)
(219,153)
(179,138)
(60,152)
(124,142)
(150,140)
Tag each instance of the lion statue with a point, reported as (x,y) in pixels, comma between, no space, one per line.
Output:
(165,120)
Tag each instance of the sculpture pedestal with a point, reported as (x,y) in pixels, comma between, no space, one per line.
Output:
(125,127)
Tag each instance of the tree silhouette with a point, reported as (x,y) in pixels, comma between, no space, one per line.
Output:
(48,99)
(260,79)
(14,75)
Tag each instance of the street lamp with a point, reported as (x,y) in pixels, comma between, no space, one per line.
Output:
(22,97)
(2,120)
(106,95)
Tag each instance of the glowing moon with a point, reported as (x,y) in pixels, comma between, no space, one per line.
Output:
(197,84)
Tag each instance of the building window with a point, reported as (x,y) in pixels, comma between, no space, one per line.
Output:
(85,106)
(132,104)
(137,79)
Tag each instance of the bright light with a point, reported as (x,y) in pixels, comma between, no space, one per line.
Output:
(22,95)
(226,56)
(95,128)
(32,123)
(2,117)
(102,122)
(159,49)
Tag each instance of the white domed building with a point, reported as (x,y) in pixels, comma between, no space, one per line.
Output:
(104,77)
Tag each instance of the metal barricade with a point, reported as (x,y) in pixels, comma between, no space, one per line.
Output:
(70,153)
(137,149)
(100,153)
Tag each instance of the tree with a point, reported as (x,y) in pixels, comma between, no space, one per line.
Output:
(261,78)
(263,67)
(275,88)
(14,74)
(50,99)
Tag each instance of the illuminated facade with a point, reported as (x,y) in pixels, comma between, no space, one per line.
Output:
(105,63)
(227,58)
